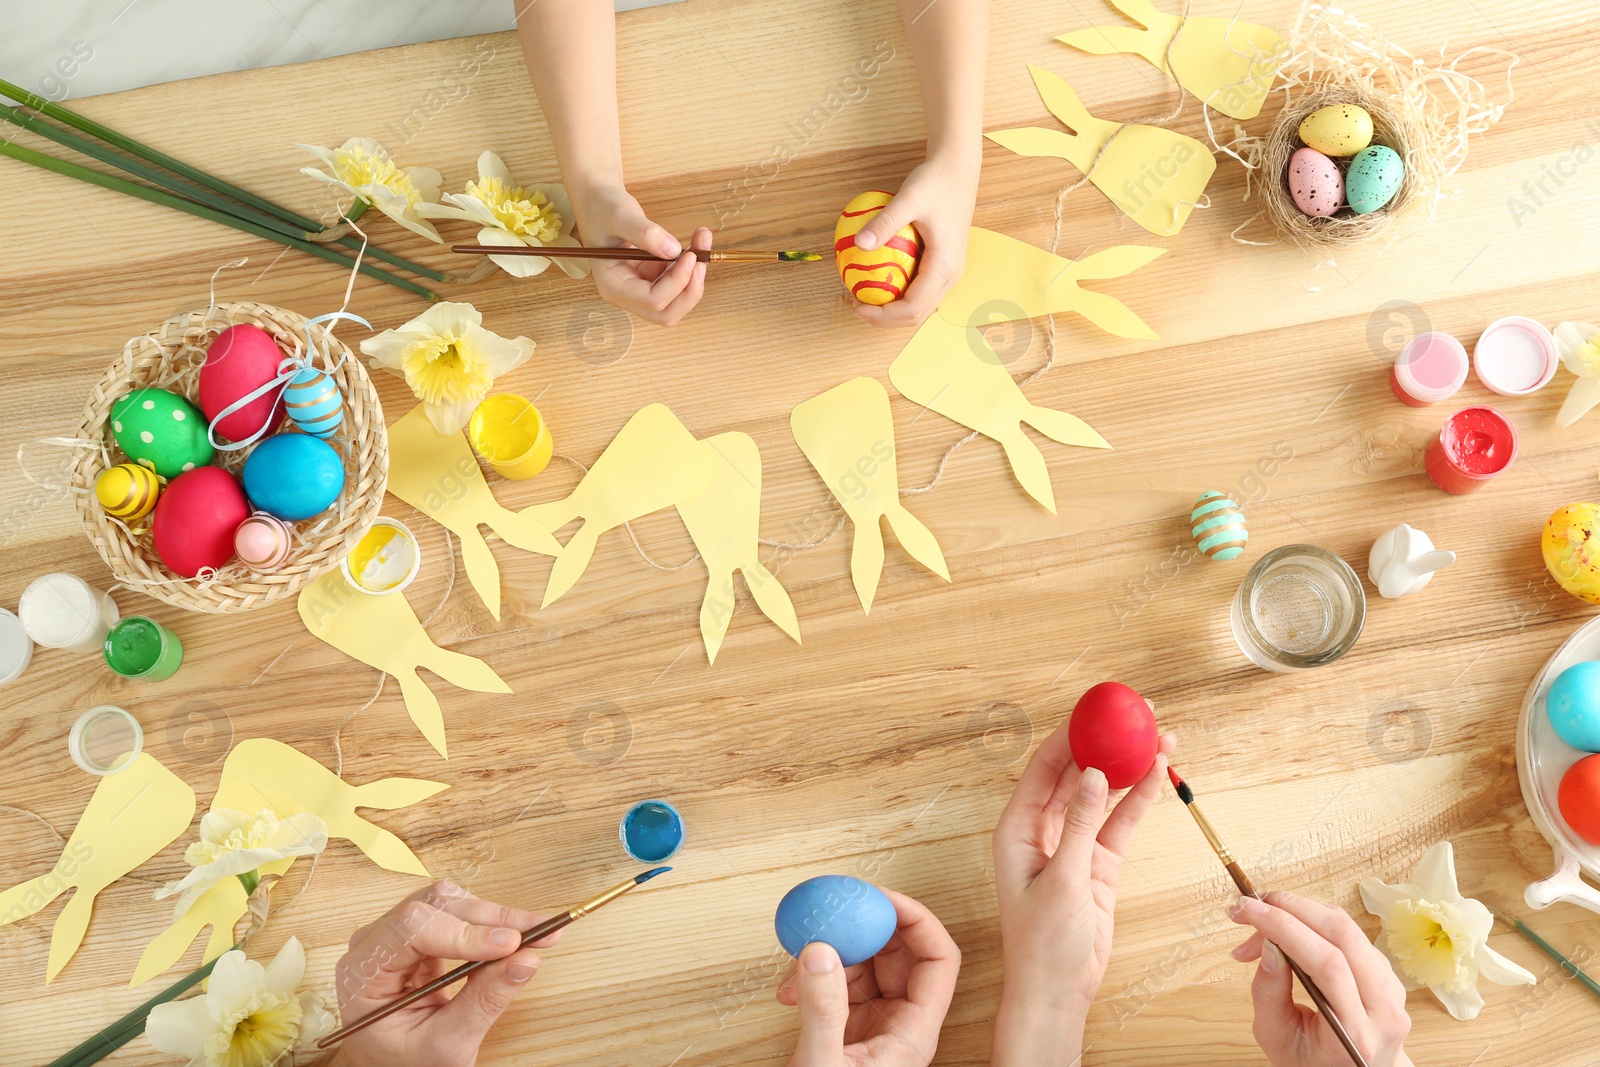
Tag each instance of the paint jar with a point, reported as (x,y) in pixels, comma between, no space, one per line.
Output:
(1473,446)
(1299,607)
(385,560)
(508,431)
(1515,356)
(651,831)
(139,647)
(105,740)
(16,648)
(63,611)
(1430,368)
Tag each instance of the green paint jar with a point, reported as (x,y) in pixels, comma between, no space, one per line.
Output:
(139,647)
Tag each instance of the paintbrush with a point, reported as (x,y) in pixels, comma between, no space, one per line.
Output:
(704,255)
(1572,969)
(1248,888)
(544,929)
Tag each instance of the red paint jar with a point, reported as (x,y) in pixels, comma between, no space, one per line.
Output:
(1473,446)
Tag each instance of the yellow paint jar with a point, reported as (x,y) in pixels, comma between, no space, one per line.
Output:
(385,560)
(507,430)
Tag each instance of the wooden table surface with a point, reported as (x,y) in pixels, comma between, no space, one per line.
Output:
(885,746)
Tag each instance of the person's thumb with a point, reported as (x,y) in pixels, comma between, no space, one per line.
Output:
(633,227)
(884,225)
(1074,856)
(824,1003)
(488,993)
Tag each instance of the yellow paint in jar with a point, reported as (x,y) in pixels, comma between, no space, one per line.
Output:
(507,430)
(385,560)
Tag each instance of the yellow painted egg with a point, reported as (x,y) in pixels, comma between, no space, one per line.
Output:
(1337,130)
(1571,551)
(878,275)
(127,491)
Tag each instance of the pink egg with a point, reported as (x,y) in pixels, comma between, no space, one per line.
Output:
(263,542)
(242,359)
(1315,183)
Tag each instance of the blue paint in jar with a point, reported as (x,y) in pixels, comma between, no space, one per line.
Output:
(651,831)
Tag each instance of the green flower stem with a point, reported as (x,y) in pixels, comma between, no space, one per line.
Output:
(145,152)
(250,879)
(178,203)
(130,1025)
(354,243)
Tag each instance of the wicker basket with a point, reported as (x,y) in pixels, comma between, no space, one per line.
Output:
(170,357)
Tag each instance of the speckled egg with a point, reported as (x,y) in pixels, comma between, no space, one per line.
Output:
(127,491)
(1375,176)
(1573,705)
(1315,183)
(196,518)
(263,542)
(1571,553)
(1337,130)
(1579,798)
(853,916)
(161,430)
(241,360)
(878,275)
(1217,526)
(293,476)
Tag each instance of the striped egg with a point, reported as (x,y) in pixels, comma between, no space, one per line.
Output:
(881,274)
(262,542)
(127,491)
(1218,526)
(314,402)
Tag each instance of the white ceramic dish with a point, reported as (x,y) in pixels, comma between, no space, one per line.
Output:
(1542,758)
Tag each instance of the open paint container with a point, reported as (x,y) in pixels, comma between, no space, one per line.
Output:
(385,560)
(1515,356)
(651,831)
(105,740)
(16,647)
(1431,367)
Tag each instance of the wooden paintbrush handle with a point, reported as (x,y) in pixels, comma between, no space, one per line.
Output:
(1329,1016)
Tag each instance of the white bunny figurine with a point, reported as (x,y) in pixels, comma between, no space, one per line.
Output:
(1403,560)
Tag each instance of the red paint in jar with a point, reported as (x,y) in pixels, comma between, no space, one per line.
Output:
(1473,446)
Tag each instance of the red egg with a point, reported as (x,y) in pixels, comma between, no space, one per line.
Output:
(1113,729)
(241,360)
(196,518)
(1579,798)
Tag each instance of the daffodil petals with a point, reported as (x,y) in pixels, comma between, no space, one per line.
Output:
(287,968)
(427,180)
(324,154)
(1581,398)
(1379,898)
(574,268)
(315,1020)
(234,978)
(490,165)
(1436,873)
(458,206)
(502,354)
(1571,337)
(447,316)
(451,418)
(516,266)
(180,1028)
(1464,1005)
(1500,970)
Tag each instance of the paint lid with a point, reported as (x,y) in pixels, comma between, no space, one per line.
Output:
(651,831)
(16,648)
(1515,356)
(105,740)
(1431,367)
(385,560)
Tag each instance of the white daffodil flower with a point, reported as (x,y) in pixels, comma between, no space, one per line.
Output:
(1579,345)
(362,166)
(1436,938)
(234,843)
(449,360)
(511,214)
(249,1015)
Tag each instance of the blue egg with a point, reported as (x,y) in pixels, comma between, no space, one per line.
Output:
(652,831)
(314,402)
(853,916)
(1573,704)
(293,477)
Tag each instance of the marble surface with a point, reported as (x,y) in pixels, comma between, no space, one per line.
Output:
(74,48)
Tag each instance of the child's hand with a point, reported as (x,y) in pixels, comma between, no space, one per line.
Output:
(417,941)
(1355,977)
(885,1012)
(661,293)
(1057,860)
(937,198)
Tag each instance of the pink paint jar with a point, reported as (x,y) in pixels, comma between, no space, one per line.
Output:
(1474,445)
(1515,356)
(1430,368)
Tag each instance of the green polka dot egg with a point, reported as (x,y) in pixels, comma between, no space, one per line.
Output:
(1218,527)
(162,431)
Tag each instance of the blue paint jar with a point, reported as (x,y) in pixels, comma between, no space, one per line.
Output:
(651,831)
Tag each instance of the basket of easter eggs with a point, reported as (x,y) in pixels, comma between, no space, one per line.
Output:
(231,455)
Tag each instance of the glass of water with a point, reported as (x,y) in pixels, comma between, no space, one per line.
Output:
(1299,607)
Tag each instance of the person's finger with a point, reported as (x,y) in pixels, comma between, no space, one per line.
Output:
(1125,817)
(635,229)
(1050,767)
(1074,856)
(932,979)
(1249,950)
(415,930)
(487,913)
(882,227)
(1276,1026)
(672,282)
(862,981)
(824,1003)
(1315,954)
(685,301)
(1375,977)
(487,994)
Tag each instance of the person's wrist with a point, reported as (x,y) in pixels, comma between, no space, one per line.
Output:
(594,202)
(1038,1028)
(959,155)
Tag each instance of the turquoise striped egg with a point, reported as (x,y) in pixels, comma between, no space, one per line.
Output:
(1218,526)
(314,402)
